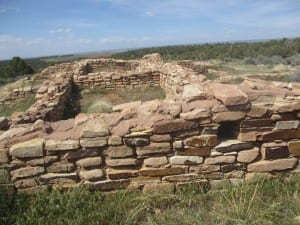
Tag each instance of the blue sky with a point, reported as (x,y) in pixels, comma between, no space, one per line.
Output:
(40,27)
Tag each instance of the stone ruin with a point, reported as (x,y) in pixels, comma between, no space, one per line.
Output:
(204,133)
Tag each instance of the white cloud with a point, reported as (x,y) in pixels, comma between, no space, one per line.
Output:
(8,9)
(60,30)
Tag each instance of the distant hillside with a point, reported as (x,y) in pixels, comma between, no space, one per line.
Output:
(283,48)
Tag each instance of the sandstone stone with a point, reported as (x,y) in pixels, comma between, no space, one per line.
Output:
(153,148)
(193,91)
(3,122)
(121,174)
(149,107)
(286,106)
(60,167)
(3,156)
(42,161)
(126,106)
(26,183)
(82,153)
(115,140)
(27,172)
(287,125)
(258,111)
(248,136)
(58,177)
(185,160)
(159,187)
(170,107)
(89,162)
(160,138)
(123,162)
(236,181)
(210,130)
(186,134)
(229,94)
(108,185)
(220,160)
(196,114)
(231,167)
(31,148)
(156,161)
(257,123)
(202,140)
(274,151)
(193,151)
(294,147)
(119,151)
(282,116)
(229,116)
(182,177)
(140,181)
(219,184)
(279,135)
(124,127)
(139,141)
(95,128)
(91,175)
(156,172)
(169,126)
(234,174)
(53,145)
(233,145)
(178,144)
(248,156)
(204,168)
(93,142)
(274,165)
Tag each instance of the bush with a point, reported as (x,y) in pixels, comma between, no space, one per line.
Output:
(294,60)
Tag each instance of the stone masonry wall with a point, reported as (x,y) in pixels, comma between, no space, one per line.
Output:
(159,144)
(205,133)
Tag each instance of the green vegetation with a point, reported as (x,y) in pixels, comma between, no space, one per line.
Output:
(275,201)
(19,105)
(284,50)
(101,100)
(14,68)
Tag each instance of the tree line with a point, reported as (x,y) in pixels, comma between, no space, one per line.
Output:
(283,48)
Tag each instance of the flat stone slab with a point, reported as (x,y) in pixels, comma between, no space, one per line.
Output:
(202,140)
(31,148)
(248,156)
(27,172)
(119,151)
(91,175)
(185,160)
(274,165)
(89,162)
(156,161)
(233,145)
(154,148)
(229,94)
(220,160)
(53,145)
(196,114)
(95,127)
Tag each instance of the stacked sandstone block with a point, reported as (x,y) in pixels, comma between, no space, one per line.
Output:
(15,94)
(113,80)
(173,153)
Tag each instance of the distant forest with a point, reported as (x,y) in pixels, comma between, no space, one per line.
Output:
(280,49)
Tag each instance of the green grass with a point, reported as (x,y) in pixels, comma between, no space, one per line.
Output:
(275,201)
(19,105)
(102,100)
